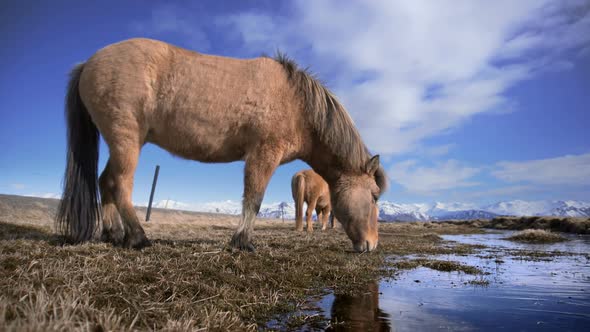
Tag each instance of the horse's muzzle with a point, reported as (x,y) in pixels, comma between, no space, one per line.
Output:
(365,246)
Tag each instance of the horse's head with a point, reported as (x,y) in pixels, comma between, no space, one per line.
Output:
(354,202)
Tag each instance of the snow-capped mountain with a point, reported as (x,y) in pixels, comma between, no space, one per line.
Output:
(462,211)
(224,207)
(278,210)
(272,210)
(439,209)
(541,208)
(389,211)
(465,215)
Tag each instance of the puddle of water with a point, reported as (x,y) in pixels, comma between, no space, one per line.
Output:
(520,295)
(578,244)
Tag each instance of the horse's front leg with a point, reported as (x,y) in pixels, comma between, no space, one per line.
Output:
(258,170)
(325,217)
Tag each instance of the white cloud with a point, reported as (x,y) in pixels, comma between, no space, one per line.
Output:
(525,176)
(171,19)
(571,170)
(585,51)
(503,192)
(18,186)
(435,150)
(254,29)
(442,176)
(410,70)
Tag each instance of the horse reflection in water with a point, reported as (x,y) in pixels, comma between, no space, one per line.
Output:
(359,313)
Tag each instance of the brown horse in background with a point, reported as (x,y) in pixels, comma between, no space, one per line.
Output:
(264,111)
(309,187)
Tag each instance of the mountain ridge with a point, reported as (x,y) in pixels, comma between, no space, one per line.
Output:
(389,211)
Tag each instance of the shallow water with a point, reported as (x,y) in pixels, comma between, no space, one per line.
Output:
(516,295)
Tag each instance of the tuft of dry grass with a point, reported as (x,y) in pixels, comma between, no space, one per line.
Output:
(536,236)
(479,282)
(439,265)
(189,279)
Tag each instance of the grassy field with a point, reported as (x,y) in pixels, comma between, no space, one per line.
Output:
(189,279)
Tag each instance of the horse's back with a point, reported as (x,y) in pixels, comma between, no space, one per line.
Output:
(173,72)
(218,108)
(119,80)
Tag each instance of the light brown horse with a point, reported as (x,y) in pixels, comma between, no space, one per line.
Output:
(309,187)
(207,108)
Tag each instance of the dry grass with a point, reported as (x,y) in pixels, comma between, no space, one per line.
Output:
(189,279)
(536,236)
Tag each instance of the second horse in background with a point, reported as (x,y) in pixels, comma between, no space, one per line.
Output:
(309,187)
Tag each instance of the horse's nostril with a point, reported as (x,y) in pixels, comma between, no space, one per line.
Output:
(368,246)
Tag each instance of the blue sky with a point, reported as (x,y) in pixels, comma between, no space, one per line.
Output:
(470,101)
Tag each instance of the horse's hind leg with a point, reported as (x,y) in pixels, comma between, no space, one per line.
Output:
(319,214)
(257,173)
(298,217)
(112,229)
(309,213)
(123,161)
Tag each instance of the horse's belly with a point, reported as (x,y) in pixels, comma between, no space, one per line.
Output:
(202,145)
(323,201)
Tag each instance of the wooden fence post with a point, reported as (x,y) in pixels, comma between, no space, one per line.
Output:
(149,209)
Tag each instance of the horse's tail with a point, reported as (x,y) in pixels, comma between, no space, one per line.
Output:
(78,213)
(298,190)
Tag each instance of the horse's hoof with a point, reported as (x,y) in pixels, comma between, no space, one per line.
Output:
(138,243)
(115,238)
(240,242)
(143,244)
(248,247)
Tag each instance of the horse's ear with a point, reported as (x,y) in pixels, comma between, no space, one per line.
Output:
(372,165)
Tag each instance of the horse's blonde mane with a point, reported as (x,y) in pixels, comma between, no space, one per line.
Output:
(330,120)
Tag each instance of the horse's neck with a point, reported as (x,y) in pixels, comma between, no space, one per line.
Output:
(325,164)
